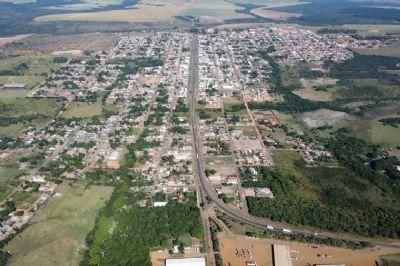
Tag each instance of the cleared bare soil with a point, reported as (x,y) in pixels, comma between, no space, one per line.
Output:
(260,250)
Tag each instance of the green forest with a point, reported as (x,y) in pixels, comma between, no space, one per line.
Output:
(125,233)
(357,197)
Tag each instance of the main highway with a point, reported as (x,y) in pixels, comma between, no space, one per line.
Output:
(208,192)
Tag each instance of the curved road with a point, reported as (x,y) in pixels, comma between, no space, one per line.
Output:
(207,190)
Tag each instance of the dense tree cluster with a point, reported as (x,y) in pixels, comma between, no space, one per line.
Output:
(124,233)
(390,121)
(366,67)
(133,66)
(342,200)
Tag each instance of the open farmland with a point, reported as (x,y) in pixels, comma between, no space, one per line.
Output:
(88,5)
(160,11)
(48,43)
(58,231)
(272,14)
(390,50)
(271,3)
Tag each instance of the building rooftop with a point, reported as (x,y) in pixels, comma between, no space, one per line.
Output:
(282,255)
(14,85)
(186,262)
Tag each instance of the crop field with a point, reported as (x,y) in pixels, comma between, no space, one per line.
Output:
(160,11)
(78,109)
(139,14)
(88,5)
(57,233)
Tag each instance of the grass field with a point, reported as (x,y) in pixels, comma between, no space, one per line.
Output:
(24,199)
(392,49)
(90,41)
(27,106)
(8,180)
(12,130)
(38,64)
(30,81)
(30,106)
(384,134)
(78,109)
(285,158)
(57,233)
(11,93)
(9,174)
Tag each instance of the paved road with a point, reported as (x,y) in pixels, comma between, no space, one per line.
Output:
(192,88)
(208,192)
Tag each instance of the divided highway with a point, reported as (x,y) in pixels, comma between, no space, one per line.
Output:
(208,193)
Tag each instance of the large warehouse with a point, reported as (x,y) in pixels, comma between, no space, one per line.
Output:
(186,262)
(282,256)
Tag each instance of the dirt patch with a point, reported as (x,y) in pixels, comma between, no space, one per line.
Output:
(247,144)
(223,165)
(313,95)
(231,100)
(148,80)
(324,117)
(260,250)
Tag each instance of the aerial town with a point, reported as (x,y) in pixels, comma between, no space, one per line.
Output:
(171,114)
